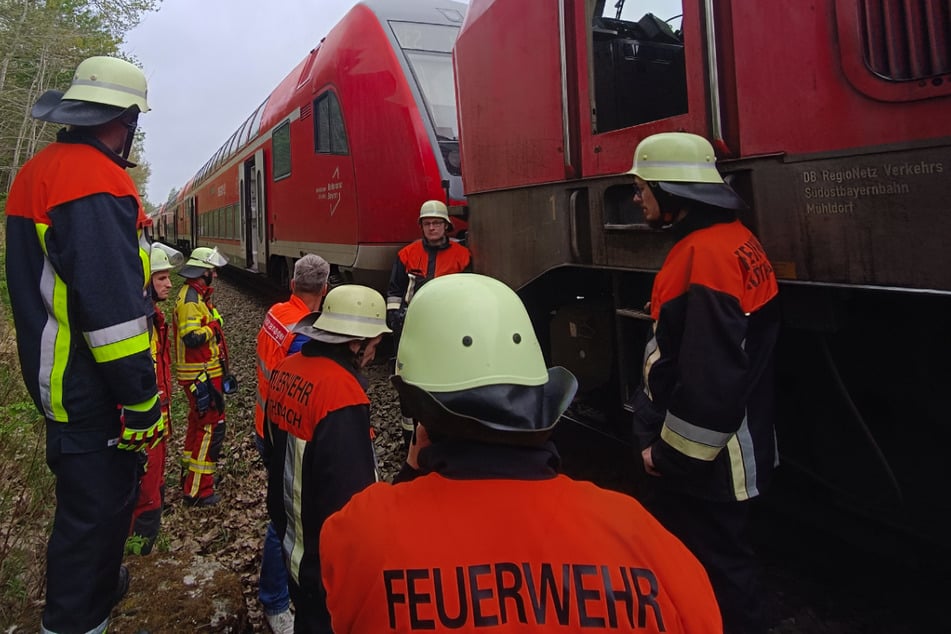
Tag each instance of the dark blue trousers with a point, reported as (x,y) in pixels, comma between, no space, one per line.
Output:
(717,533)
(96,490)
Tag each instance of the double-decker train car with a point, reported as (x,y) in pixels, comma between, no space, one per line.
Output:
(830,117)
(338,158)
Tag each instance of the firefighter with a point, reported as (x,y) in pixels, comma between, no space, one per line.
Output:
(75,220)
(318,438)
(275,342)
(200,359)
(147,515)
(704,413)
(488,536)
(433,255)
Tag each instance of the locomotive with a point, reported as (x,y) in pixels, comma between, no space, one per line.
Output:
(340,155)
(830,118)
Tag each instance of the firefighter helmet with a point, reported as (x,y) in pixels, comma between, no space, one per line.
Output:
(164,258)
(469,364)
(435,209)
(102,89)
(201,260)
(684,165)
(350,312)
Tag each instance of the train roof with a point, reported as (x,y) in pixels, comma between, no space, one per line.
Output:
(448,11)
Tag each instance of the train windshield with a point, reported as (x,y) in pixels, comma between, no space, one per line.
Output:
(428,49)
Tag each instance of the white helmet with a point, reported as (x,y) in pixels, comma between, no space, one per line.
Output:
(470,366)
(435,209)
(350,312)
(103,88)
(164,258)
(201,260)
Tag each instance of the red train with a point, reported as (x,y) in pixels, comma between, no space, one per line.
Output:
(339,157)
(832,119)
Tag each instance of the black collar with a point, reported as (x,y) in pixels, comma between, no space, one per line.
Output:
(467,460)
(85,136)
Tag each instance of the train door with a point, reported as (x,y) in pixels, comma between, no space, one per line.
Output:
(254,235)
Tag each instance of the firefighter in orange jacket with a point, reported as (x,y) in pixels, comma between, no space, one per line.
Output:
(199,367)
(275,342)
(704,415)
(433,255)
(318,439)
(147,515)
(77,267)
(487,536)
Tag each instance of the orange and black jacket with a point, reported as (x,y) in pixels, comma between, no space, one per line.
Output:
(491,539)
(418,262)
(707,403)
(318,450)
(77,269)
(275,341)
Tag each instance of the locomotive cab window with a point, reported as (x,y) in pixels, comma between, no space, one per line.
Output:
(330,135)
(428,49)
(637,56)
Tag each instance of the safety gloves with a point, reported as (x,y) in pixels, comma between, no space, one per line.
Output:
(143,425)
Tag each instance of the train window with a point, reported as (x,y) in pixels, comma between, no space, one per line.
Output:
(233,144)
(428,50)
(638,63)
(425,37)
(330,135)
(255,121)
(281,151)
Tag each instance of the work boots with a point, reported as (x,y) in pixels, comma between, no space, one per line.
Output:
(122,585)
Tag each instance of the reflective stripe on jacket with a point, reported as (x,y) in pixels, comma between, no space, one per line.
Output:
(708,366)
(318,439)
(193,312)
(76,272)
(274,340)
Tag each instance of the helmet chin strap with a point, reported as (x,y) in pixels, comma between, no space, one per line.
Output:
(671,211)
(129,139)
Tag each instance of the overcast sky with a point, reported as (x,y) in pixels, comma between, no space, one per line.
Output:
(210,63)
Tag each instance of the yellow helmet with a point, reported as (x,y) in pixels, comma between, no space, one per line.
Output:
(676,157)
(350,312)
(684,165)
(110,81)
(435,209)
(202,259)
(103,88)
(164,258)
(469,364)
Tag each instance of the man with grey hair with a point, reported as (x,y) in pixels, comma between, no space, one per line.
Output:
(275,342)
